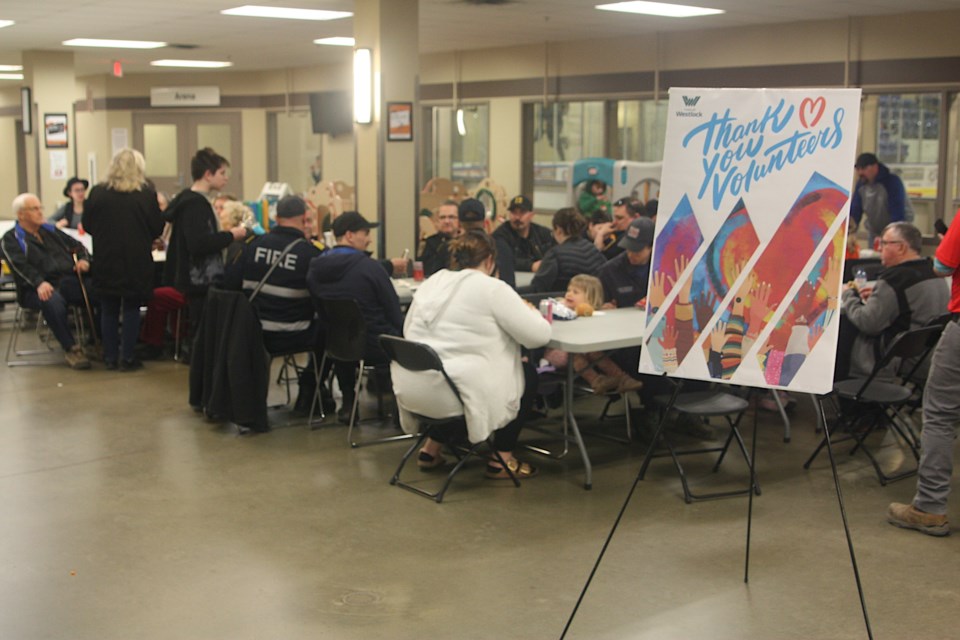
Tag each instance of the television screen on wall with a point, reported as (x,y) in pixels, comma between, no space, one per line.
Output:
(331,112)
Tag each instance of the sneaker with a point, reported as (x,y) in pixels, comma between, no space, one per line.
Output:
(907,516)
(602,385)
(131,365)
(76,359)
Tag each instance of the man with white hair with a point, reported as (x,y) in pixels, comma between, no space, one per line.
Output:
(42,260)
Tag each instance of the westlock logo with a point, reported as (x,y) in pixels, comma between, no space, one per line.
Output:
(689,104)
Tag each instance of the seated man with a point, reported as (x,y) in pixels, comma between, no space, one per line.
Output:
(908,294)
(41,258)
(347,272)
(472,214)
(625,211)
(625,277)
(283,302)
(435,256)
(528,241)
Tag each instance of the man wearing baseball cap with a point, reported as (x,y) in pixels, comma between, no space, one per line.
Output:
(283,303)
(472,215)
(624,277)
(878,194)
(528,241)
(348,272)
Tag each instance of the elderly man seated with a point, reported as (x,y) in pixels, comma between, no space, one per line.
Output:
(907,295)
(42,260)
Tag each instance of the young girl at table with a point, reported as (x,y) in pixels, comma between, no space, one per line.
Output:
(584,294)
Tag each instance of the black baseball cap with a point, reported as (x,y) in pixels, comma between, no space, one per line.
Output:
(639,235)
(520,202)
(351,221)
(471,210)
(865,160)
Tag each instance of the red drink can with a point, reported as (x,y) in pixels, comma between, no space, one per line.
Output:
(418,271)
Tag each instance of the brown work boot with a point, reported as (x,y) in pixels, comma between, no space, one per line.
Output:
(76,359)
(628,384)
(602,385)
(908,516)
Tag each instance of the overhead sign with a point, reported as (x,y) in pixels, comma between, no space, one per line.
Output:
(748,252)
(185,97)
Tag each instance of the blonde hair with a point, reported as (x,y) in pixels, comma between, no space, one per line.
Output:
(127,171)
(236,212)
(591,287)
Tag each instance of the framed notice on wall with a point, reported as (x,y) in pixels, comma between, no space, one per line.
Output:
(399,121)
(55,130)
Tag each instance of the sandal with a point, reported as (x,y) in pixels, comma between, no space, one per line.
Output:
(427,462)
(521,470)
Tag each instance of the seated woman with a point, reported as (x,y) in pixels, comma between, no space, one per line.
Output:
(573,254)
(601,373)
(476,324)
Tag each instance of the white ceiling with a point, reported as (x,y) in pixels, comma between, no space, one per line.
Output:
(445,25)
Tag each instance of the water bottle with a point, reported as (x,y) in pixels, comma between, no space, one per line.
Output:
(860,278)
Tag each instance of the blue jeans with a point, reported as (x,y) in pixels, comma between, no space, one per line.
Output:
(54,310)
(109,321)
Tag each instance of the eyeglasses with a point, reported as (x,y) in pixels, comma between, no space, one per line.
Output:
(33,208)
(884,243)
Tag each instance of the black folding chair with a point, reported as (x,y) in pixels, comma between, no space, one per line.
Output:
(873,402)
(706,404)
(346,342)
(419,357)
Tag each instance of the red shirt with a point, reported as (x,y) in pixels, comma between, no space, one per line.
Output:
(948,254)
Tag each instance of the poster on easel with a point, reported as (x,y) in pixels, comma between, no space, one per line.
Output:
(748,253)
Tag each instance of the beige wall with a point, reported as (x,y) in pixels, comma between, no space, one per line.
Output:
(931,34)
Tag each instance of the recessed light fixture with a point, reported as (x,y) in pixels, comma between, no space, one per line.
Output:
(114,44)
(6,23)
(11,67)
(659,9)
(255,11)
(336,41)
(193,64)
(11,76)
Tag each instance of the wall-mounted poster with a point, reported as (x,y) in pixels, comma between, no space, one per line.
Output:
(399,121)
(55,130)
(748,254)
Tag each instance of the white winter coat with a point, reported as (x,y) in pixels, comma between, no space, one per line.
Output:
(476,325)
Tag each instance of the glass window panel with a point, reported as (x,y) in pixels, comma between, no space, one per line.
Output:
(642,129)
(217,137)
(460,144)
(160,149)
(299,151)
(562,133)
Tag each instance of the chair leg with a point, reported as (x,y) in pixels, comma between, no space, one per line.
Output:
(317,396)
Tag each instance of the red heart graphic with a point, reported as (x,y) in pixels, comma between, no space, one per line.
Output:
(814,108)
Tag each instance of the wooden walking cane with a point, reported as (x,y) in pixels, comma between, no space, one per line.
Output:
(86,301)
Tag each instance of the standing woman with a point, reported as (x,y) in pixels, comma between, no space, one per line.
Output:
(70,213)
(123,216)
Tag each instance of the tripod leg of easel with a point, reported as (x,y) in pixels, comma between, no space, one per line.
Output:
(822,419)
(753,484)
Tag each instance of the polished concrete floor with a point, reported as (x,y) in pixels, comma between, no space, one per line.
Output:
(126,515)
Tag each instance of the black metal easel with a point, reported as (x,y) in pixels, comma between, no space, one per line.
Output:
(822,421)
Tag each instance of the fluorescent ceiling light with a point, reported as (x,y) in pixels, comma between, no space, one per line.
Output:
(337,41)
(194,64)
(11,76)
(659,9)
(11,67)
(254,11)
(114,44)
(362,86)
(6,23)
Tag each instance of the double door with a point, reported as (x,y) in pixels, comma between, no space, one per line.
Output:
(169,140)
